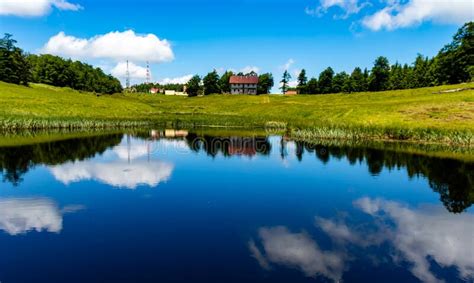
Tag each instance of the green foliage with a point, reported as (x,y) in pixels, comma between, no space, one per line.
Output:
(211,83)
(224,82)
(302,82)
(312,86)
(341,83)
(380,74)
(14,67)
(56,71)
(284,81)
(265,83)
(358,82)
(325,80)
(456,60)
(194,86)
(145,87)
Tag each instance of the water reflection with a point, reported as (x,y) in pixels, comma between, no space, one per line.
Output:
(72,160)
(119,173)
(229,146)
(298,250)
(17,161)
(22,215)
(421,237)
(452,179)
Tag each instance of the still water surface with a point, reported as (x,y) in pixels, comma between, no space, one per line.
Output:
(175,206)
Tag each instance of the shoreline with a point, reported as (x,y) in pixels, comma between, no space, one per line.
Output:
(463,138)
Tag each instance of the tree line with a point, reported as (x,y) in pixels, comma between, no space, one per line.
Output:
(20,68)
(145,87)
(213,83)
(453,64)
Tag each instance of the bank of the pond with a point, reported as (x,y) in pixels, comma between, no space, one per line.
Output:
(426,114)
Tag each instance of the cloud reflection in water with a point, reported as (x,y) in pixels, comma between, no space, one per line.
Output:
(118,173)
(22,215)
(417,236)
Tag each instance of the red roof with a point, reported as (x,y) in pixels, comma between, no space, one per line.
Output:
(243,80)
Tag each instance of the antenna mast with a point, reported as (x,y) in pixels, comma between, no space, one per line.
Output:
(127,83)
(148,77)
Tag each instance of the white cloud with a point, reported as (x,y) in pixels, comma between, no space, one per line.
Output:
(118,173)
(348,6)
(429,233)
(288,64)
(34,8)
(136,72)
(280,246)
(248,69)
(400,15)
(118,46)
(19,216)
(179,80)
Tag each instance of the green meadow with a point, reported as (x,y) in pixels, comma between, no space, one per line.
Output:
(421,115)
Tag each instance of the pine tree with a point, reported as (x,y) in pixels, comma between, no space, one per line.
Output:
(284,81)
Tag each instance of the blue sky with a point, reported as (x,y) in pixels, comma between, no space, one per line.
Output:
(235,34)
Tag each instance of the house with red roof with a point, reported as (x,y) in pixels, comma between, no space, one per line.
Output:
(244,84)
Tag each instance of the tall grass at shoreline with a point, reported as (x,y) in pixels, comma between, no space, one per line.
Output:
(415,115)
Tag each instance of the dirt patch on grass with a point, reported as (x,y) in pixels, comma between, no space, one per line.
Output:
(463,111)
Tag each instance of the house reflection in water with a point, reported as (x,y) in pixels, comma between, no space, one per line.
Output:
(169,133)
(229,146)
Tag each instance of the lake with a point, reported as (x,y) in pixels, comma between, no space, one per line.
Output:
(203,206)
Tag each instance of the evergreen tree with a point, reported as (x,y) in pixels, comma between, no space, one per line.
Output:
(407,77)
(396,77)
(421,72)
(380,74)
(265,83)
(224,82)
(312,86)
(339,83)
(357,81)
(194,86)
(211,83)
(14,67)
(325,80)
(302,82)
(456,60)
(284,81)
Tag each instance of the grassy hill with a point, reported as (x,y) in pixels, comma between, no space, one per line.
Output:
(418,114)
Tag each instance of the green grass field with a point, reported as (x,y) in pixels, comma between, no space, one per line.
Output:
(417,115)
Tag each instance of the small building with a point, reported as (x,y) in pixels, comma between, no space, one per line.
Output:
(155,90)
(244,84)
(291,92)
(174,92)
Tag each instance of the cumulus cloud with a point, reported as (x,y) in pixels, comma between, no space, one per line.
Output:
(118,46)
(136,72)
(280,246)
(349,7)
(21,215)
(178,80)
(399,14)
(430,233)
(34,8)
(117,173)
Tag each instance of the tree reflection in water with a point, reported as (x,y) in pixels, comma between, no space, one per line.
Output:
(16,161)
(452,179)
